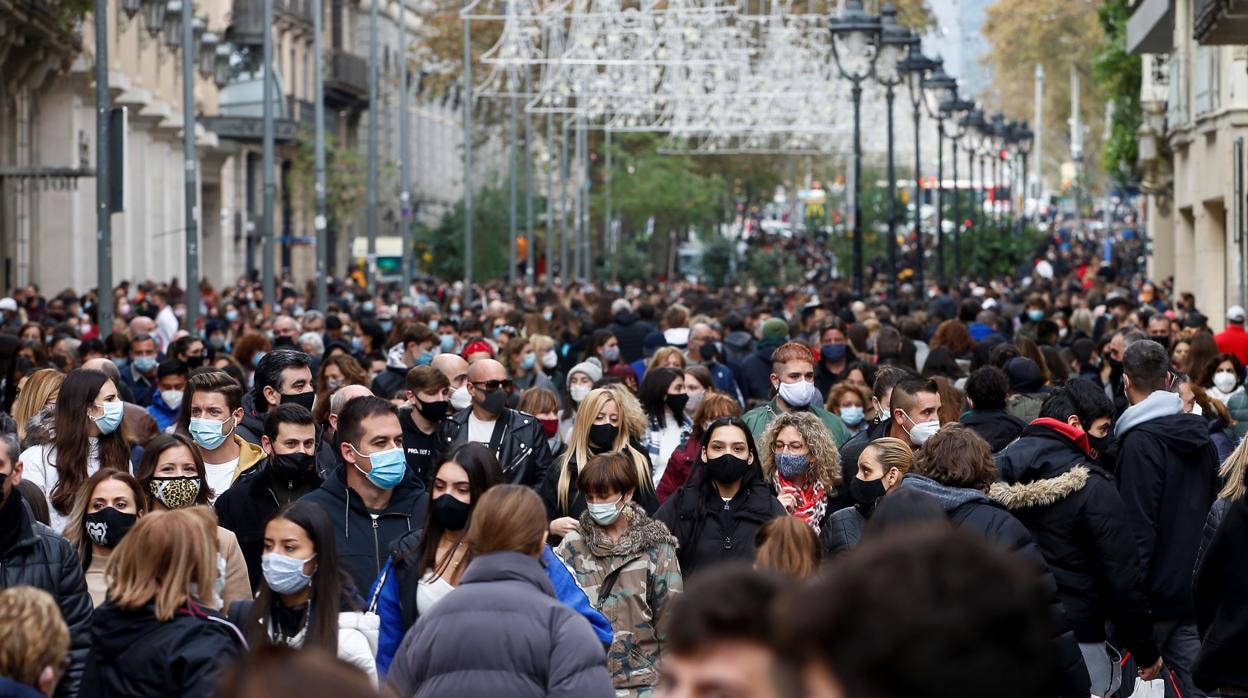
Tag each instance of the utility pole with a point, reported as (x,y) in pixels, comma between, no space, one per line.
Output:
(564,267)
(270,185)
(190,204)
(586,264)
(608,235)
(318,222)
(103,205)
(550,199)
(467,158)
(405,158)
(1039,174)
(530,271)
(370,271)
(514,138)
(1076,140)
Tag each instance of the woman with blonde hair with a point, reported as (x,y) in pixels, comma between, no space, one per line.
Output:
(38,392)
(501,632)
(801,465)
(36,642)
(608,420)
(107,507)
(881,467)
(789,547)
(666,357)
(154,636)
(1234,472)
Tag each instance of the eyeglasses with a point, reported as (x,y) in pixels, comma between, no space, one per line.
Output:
(790,447)
(491,386)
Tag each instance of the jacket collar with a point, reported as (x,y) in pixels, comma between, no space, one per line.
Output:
(508,566)
(1039,493)
(1159,403)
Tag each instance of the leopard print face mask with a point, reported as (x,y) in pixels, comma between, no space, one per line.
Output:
(174,492)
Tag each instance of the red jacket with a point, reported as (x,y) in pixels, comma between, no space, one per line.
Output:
(678,468)
(1233,340)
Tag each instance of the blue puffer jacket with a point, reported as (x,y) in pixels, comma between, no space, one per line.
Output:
(502,632)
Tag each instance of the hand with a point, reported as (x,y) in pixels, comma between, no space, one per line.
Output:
(562,526)
(789,499)
(1152,672)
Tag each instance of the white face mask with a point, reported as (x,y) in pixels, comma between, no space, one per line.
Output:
(460,398)
(1224,381)
(550,359)
(921,431)
(799,394)
(172,398)
(579,393)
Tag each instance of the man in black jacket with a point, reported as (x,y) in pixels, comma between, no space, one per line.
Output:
(1050,482)
(284,376)
(32,554)
(287,473)
(1167,476)
(629,330)
(515,438)
(371,498)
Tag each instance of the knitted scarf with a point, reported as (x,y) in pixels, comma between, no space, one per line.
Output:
(811,502)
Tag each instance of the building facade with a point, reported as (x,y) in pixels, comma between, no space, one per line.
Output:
(1195,100)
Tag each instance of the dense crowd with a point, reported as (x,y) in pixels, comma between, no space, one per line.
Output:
(1032,486)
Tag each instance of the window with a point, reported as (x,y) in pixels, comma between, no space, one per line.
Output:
(1206,97)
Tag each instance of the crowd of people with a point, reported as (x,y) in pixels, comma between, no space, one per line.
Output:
(1024,488)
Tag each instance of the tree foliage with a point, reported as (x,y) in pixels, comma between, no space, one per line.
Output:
(1119,75)
(346,178)
(1059,35)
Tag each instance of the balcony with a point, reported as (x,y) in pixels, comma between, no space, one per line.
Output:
(301,112)
(1220,22)
(346,80)
(298,10)
(1150,28)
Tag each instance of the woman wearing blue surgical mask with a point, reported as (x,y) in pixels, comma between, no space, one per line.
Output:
(626,563)
(305,600)
(89,435)
(849,402)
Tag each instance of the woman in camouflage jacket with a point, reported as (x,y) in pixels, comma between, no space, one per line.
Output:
(626,563)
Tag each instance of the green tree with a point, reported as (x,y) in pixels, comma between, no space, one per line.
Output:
(346,178)
(1119,75)
(442,248)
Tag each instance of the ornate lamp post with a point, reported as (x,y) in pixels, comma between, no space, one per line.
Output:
(855,35)
(917,67)
(944,90)
(893,43)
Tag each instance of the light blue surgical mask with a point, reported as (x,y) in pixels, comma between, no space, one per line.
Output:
(209,433)
(433,325)
(425,358)
(528,361)
(145,364)
(257,358)
(108,422)
(1035,315)
(605,514)
(447,343)
(852,416)
(367,306)
(386,325)
(284,574)
(231,316)
(388,467)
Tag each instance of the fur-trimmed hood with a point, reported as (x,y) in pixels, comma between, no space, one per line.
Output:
(41,428)
(1040,493)
(642,533)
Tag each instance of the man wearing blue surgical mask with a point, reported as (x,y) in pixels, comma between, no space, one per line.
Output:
(371,497)
(140,374)
(417,346)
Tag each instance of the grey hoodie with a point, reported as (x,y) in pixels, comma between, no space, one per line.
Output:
(1160,403)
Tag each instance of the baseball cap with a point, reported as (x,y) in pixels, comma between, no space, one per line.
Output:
(1235,313)
(8,304)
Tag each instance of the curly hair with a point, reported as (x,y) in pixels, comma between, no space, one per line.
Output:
(953,335)
(824,457)
(956,456)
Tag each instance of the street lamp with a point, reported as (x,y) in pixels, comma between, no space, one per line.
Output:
(172,26)
(154,15)
(975,127)
(854,37)
(1026,139)
(944,90)
(959,115)
(208,44)
(917,68)
(893,43)
(131,7)
(999,132)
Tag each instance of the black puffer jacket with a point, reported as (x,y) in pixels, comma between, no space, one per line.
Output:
(248,505)
(842,531)
(252,426)
(1167,474)
(364,540)
(630,331)
(998,427)
(1078,520)
(42,559)
(711,531)
(1217,512)
(972,510)
(134,654)
(522,449)
(1221,595)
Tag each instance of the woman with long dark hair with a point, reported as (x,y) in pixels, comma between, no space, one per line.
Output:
(663,398)
(90,435)
(716,515)
(305,598)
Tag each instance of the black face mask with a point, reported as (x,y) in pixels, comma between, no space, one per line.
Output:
(304,400)
(1163,340)
(494,402)
(108,526)
(195,361)
(291,467)
(432,411)
(726,468)
(866,494)
(1105,449)
(450,513)
(676,403)
(602,437)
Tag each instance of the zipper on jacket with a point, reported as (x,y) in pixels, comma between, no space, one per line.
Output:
(376,543)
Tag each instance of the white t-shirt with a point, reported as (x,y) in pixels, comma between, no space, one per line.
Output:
(220,476)
(429,591)
(480,431)
(669,441)
(39,467)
